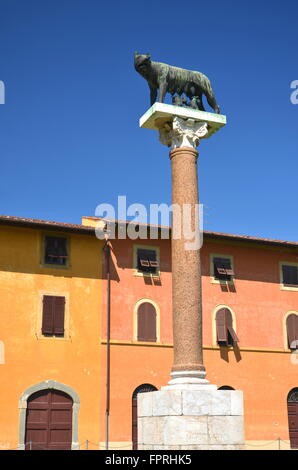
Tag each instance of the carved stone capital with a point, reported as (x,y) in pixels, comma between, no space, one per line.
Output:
(183,133)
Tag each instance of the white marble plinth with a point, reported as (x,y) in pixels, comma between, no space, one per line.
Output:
(191,419)
(161,115)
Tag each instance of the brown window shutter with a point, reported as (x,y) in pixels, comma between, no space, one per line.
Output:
(142,323)
(221,326)
(226,334)
(292,331)
(144,262)
(59,310)
(223,269)
(47,315)
(154,264)
(232,337)
(230,272)
(146,322)
(147,261)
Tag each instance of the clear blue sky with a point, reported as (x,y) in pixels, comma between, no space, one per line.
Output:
(69,136)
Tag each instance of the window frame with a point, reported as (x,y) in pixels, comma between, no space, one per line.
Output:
(136,272)
(43,248)
(135,320)
(212,274)
(53,312)
(38,329)
(281,278)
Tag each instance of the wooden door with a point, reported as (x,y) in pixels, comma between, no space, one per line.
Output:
(49,421)
(141,389)
(293,417)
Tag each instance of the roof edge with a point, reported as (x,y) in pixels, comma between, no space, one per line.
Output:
(90,230)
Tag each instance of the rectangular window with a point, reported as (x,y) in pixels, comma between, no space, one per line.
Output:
(222,269)
(53,313)
(290,275)
(147,261)
(55,250)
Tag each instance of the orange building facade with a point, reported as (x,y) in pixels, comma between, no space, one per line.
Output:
(260,363)
(50,380)
(65,377)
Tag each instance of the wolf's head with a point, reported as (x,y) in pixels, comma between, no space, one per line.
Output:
(142,62)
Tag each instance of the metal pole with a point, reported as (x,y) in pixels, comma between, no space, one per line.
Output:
(30,445)
(108,384)
(87,444)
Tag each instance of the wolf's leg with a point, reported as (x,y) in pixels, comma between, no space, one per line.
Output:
(153,95)
(162,91)
(200,103)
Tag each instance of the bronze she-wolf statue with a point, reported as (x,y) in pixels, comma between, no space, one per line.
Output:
(174,80)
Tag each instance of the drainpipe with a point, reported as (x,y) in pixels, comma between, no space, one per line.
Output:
(107,251)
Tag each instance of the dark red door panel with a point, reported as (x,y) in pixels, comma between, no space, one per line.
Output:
(49,421)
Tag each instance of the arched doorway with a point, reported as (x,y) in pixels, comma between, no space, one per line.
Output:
(226,387)
(141,389)
(293,417)
(49,421)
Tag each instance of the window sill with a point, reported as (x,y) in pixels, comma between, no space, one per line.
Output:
(41,337)
(224,283)
(228,348)
(54,266)
(141,274)
(288,288)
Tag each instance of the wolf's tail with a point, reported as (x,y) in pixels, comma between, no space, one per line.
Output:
(210,95)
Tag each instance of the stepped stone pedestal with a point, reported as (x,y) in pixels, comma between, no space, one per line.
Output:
(189,412)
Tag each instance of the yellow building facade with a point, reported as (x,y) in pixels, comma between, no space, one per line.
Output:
(51,379)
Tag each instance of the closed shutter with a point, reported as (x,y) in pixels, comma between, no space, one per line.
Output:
(292,331)
(146,322)
(47,315)
(53,315)
(59,310)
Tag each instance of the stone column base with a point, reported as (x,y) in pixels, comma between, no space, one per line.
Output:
(191,420)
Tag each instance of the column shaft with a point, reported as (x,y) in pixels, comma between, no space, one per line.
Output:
(186,283)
